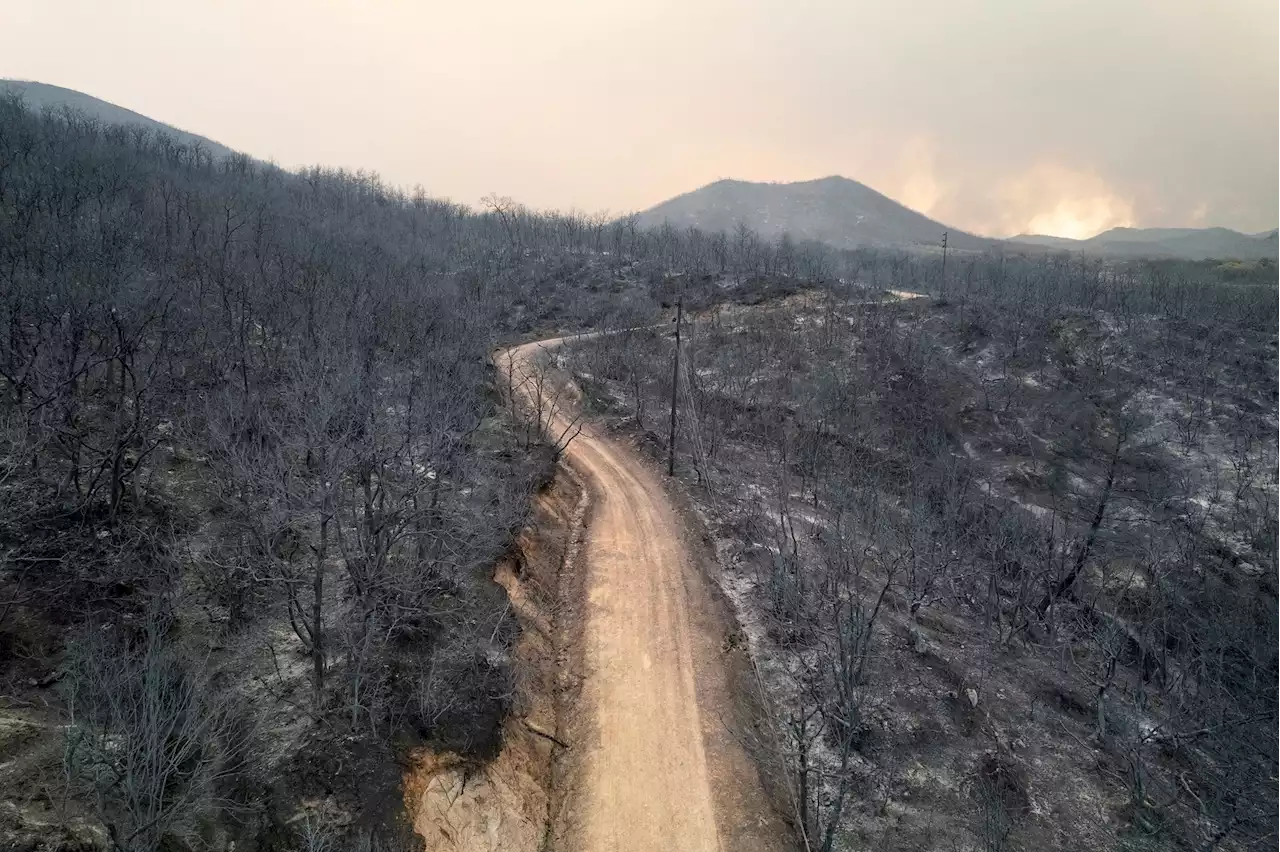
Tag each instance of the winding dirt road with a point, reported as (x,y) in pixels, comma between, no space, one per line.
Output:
(660,770)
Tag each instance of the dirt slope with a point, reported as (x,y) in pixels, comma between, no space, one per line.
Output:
(657,768)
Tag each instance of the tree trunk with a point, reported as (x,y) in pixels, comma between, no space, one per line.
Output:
(1064,585)
(317,608)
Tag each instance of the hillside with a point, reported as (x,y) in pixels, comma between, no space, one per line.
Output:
(1006,560)
(1185,243)
(834,210)
(269,521)
(44,96)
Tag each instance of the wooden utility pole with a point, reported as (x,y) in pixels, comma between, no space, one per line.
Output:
(944,264)
(675,382)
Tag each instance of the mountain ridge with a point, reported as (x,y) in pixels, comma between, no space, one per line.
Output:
(848,214)
(46,95)
(1184,243)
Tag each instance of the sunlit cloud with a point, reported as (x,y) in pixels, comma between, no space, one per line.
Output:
(1062,202)
(1169,118)
(1081,218)
(920,189)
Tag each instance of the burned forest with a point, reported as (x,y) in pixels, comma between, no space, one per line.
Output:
(323,500)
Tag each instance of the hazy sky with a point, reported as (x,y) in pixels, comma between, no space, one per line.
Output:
(1057,116)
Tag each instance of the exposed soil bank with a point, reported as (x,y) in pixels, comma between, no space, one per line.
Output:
(508,805)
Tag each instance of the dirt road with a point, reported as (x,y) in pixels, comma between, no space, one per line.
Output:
(659,771)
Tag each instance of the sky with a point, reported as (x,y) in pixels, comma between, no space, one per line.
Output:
(1064,117)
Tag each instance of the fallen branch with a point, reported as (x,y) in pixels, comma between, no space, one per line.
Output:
(546,736)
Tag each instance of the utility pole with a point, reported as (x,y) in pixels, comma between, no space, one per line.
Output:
(675,381)
(944,264)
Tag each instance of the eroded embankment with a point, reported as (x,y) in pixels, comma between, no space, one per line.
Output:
(509,804)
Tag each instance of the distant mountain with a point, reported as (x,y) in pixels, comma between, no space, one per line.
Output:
(1186,243)
(42,95)
(835,210)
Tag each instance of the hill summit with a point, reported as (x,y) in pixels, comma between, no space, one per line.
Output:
(836,210)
